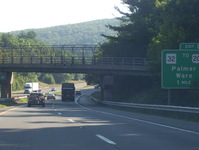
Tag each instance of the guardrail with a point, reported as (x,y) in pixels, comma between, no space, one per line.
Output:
(150,106)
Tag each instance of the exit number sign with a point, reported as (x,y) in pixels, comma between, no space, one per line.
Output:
(189,46)
(180,68)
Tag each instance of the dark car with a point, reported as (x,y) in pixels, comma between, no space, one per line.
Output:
(78,92)
(53,89)
(36,98)
(96,86)
(51,96)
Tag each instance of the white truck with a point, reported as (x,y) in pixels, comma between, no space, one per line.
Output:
(31,87)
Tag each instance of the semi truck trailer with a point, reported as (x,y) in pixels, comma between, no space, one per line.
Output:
(68,91)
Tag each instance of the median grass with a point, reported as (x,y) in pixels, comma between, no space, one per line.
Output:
(7,103)
(11,103)
(23,100)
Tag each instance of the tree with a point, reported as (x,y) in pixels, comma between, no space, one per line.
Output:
(6,40)
(28,35)
(48,78)
(133,34)
(176,21)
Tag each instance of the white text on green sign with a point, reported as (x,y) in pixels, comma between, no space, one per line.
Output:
(179,68)
(189,46)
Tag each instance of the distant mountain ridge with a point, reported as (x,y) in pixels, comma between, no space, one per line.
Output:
(80,33)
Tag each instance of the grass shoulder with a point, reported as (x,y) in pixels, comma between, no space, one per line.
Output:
(4,104)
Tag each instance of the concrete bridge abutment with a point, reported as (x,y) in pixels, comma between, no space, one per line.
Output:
(106,83)
(6,79)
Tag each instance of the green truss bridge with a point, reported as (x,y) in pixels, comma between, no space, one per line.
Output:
(68,59)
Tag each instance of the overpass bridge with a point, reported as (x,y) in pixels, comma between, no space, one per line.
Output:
(61,64)
(66,59)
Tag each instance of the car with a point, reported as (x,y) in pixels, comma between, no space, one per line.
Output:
(53,89)
(78,92)
(36,98)
(96,86)
(40,91)
(51,96)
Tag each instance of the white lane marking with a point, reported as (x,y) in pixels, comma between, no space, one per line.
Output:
(71,120)
(105,139)
(139,120)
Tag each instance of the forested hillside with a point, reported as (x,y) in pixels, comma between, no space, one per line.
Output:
(80,33)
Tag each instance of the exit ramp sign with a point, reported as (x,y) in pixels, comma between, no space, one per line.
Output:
(189,46)
(180,68)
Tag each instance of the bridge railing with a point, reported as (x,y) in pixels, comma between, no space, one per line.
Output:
(74,60)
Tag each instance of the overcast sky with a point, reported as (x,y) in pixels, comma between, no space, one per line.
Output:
(28,14)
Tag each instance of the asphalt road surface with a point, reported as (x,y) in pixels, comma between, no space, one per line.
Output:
(85,125)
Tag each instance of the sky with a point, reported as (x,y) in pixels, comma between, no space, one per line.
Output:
(28,14)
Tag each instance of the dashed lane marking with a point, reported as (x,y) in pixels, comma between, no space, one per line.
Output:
(71,120)
(105,139)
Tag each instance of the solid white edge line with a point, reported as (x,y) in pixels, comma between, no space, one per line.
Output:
(105,139)
(139,120)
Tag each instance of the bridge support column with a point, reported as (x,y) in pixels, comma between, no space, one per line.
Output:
(106,87)
(6,84)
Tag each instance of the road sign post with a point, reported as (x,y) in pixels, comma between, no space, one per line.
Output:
(180,68)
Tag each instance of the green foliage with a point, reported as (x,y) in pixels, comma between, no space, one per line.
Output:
(133,36)
(48,78)
(176,22)
(28,35)
(92,79)
(56,78)
(79,77)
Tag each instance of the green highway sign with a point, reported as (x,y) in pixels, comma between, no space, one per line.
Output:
(189,46)
(180,68)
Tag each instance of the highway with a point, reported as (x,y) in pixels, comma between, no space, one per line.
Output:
(85,125)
